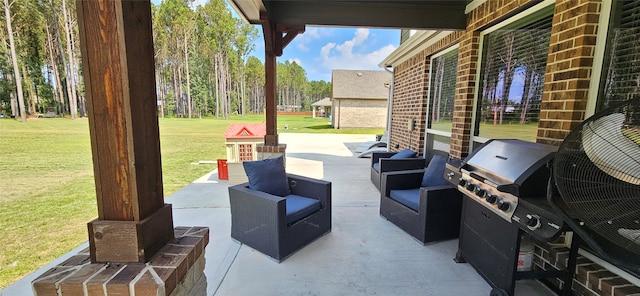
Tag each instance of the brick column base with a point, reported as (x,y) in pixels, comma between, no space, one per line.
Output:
(270,151)
(174,270)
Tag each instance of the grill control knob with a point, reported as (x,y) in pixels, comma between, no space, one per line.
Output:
(504,205)
(471,187)
(533,222)
(481,193)
(462,182)
(492,198)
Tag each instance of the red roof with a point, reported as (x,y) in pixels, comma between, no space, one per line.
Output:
(245,131)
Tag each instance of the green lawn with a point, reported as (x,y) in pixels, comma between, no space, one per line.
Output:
(47,192)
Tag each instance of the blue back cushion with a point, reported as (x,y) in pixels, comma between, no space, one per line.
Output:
(299,207)
(406,153)
(376,166)
(434,173)
(408,197)
(268,176)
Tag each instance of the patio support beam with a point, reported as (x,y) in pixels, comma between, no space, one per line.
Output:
(117,54)
(276,38)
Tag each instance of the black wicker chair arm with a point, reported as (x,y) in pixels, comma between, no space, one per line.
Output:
(311,188)
(401,180)
(375,156)
(440,191)
(402,164)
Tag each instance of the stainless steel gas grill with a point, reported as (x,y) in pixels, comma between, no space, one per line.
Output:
(509,177)
(505,184)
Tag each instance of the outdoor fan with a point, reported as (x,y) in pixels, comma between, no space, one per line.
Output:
(596,172)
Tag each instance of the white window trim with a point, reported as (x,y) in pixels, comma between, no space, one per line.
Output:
(528,12)
(428,130)
(598,58)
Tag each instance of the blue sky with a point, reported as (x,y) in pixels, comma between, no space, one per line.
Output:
(321,49)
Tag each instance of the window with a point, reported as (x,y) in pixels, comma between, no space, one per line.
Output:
(442,88)
(621,68)
(512,77)
(442,91)
(246,152)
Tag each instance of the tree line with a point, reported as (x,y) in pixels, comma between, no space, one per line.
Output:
(203,60)
(519,53)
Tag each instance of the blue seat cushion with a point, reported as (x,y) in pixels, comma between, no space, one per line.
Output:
(299,207)
(408,197)
(268,176)
(434,173)
(376,166)
(406,153)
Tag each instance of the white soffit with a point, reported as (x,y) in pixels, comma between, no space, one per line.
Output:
(414,45)
(473,5)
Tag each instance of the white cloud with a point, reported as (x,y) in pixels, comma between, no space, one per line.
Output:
(310,34)
(349,55)
(326,50)
(296,60)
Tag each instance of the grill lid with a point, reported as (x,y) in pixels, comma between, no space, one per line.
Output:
(507,162)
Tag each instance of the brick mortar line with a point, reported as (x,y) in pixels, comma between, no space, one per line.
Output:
(85,289)
(133,282)
(158,280)
(104,285)
(603,279)
(613,288)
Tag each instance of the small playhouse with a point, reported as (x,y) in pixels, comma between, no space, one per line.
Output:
(241,141)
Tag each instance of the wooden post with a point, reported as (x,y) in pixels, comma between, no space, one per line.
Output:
(274,42)
(118,66)
(270,73)
(271,138)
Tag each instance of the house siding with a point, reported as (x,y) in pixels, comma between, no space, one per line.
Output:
(359,113)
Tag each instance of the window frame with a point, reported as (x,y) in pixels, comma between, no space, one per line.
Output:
(428,132)
(520,19)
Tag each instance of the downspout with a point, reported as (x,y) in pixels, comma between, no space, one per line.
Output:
(338,115)
(389,106)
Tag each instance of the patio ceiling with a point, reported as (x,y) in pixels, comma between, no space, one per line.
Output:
(414,14)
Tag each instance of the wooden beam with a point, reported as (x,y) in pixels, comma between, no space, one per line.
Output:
(435,15)
(118,66)
(290,33)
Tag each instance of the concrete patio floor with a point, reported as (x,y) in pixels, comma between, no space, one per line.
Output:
(363,254)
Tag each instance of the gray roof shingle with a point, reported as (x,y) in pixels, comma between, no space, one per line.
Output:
(360,84)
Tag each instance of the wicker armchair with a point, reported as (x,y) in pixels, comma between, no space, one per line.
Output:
(429,214)
(260,221)
(382,163)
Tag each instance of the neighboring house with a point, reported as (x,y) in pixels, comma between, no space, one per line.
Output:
(359,98)
(321,108)
(569,53)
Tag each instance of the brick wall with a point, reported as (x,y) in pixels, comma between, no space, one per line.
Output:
(590,279)
(568,72)
(411,79)
(410,93)
(360,113)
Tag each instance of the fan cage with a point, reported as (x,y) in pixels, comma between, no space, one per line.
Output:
(596,173)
